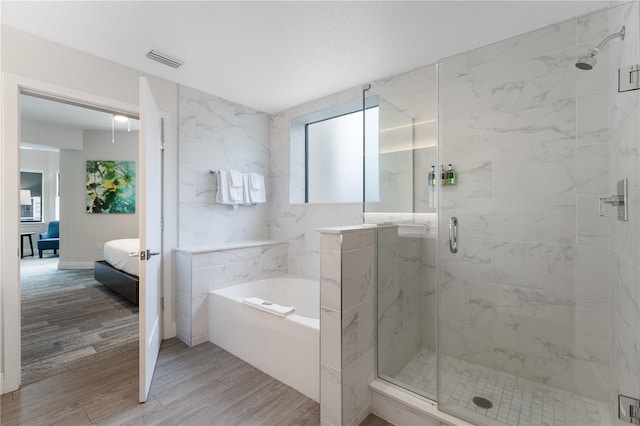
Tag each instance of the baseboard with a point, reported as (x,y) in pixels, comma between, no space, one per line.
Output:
(76,265)
(169,331)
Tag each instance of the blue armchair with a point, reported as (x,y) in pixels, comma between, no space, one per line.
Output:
(50,240)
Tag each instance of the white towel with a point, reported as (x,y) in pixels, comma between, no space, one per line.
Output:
(236,178)
(256,181)
(257,193)
(246,198)
(234,183)
(223,195)
(266,306)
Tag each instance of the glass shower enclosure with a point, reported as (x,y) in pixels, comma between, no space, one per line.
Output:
(503,284)
(404,207)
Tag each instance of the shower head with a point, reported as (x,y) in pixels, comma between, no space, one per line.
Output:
(588,61)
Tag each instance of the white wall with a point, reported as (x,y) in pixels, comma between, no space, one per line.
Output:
(50,134)
(48,163)
(31,57)
(82,235)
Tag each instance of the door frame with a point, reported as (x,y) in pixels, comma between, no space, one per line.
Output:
(12,86)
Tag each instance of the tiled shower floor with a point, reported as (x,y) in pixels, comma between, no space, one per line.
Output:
(516,401)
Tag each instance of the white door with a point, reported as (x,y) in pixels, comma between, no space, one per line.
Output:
(150,202)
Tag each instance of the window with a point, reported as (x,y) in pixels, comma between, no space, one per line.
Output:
(332,155)
(31,196)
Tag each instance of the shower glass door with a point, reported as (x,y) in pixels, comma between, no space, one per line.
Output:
(401,199)
(523,325)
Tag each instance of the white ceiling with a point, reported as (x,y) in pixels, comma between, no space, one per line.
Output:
(275,55)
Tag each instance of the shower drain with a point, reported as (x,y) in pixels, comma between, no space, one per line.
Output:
(482,402)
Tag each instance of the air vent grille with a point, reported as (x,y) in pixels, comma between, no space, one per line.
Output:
(164,58)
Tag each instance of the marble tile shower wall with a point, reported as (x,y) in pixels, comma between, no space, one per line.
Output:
(406,295)
(527,293)
(295,223)
(218,134)
(624,242)
(399,291)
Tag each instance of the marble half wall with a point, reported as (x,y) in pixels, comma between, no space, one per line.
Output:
(201,269)
(347,324)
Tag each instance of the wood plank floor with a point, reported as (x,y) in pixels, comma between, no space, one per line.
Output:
(69,319)
(203,385)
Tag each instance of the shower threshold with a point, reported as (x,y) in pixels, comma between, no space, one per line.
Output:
(516,401)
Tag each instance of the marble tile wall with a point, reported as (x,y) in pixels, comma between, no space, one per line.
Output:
(218,134)
(401,295)
(528,134)
(347,287)
(200,270)
(292,222)
(624,237)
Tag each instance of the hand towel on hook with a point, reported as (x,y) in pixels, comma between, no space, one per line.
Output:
(223,196)
(235,186)
(257,193)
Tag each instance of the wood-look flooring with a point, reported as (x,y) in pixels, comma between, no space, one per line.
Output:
(203,385)
(68,319)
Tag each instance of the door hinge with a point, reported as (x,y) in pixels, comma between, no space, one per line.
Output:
(162,223)
(161,134)
(162,303)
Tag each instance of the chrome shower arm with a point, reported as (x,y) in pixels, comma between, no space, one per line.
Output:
(608,39)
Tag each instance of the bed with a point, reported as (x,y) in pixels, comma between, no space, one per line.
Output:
(119,270)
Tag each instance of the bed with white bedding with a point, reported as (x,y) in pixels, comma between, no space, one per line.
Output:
(118,254)
(119,269)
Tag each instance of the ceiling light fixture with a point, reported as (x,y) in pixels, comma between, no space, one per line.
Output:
(120,119)
(123,119)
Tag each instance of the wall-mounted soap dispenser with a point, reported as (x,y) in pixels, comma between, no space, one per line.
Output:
(447,177)
(432,176)
(450,177)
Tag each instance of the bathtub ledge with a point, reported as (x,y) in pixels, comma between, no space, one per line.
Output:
(233,245)
(345,229)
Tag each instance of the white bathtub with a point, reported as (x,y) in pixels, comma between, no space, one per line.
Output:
(287,349)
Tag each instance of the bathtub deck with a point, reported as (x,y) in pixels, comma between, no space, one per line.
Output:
(199,385)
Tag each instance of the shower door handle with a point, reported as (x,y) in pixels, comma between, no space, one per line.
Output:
(453,234)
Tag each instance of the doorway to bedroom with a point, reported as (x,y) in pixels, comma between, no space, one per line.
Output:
(87,160)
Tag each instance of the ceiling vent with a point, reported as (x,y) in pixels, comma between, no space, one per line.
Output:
(163,58)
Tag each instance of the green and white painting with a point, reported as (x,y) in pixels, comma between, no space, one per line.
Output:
(111,186)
